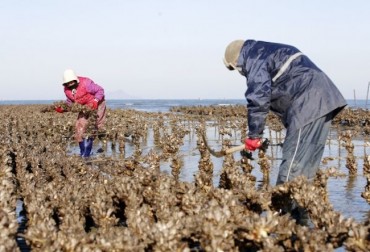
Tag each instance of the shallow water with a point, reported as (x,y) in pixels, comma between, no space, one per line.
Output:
(344,192)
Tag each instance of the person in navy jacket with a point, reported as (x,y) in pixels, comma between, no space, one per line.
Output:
(283,80)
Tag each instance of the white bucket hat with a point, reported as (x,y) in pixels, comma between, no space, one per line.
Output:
(69,76)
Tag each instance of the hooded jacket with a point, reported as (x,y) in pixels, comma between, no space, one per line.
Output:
(85,92)
(300,95)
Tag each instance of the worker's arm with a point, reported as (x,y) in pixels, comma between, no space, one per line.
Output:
(258,97)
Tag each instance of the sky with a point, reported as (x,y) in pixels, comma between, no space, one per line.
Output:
(172,49)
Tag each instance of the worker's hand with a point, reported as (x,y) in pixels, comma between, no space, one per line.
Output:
(94,105)
(252,144)
(59,109)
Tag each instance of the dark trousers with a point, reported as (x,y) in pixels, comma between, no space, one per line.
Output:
(303,150)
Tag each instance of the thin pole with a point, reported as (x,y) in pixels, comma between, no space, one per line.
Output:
(354,96)
(367,94)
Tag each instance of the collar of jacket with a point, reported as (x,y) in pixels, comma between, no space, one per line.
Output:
(248,44)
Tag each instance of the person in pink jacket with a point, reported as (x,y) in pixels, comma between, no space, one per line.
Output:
(84,91)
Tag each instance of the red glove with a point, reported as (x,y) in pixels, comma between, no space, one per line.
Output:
(59,109)
(252,144)
(94,104)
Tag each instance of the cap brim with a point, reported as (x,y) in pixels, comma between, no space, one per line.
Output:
(228,65)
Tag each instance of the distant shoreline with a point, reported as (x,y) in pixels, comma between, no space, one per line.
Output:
(165,103)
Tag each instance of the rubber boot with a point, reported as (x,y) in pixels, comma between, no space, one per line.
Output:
(82,148)
(88,143)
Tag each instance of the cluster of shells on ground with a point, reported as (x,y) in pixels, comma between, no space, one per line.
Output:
(123,202)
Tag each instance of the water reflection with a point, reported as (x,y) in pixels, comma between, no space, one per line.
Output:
(350,186)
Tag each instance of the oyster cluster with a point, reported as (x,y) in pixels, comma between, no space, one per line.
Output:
(123,201)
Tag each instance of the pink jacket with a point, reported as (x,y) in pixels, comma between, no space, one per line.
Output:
(85,93)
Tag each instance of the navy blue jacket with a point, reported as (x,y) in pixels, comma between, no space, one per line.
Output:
(300,95)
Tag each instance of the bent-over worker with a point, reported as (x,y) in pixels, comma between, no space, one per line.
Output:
(282,79)
(84,91)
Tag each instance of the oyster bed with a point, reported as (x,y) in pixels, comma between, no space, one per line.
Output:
(121,200)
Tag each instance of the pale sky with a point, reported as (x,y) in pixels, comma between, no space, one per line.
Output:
(172,49)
